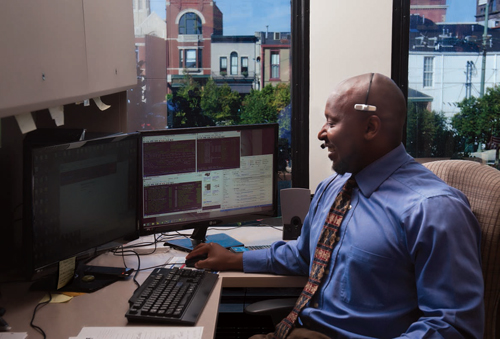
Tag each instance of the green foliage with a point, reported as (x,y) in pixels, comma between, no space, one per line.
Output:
(187,102)
(220,103)
(210,104)
(428,134)
(265,105)
(479,118)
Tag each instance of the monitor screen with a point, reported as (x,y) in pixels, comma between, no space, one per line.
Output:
(78,196)
(207,176)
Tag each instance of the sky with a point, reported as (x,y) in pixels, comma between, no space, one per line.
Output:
(461,11)
(245,17)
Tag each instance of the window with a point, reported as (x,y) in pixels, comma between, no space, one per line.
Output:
(234,63)
(244,65)
(428,71)
(174,52)
(277,36)
(190,23)
(190,58)
(223,65)
(275,64)
(441,113)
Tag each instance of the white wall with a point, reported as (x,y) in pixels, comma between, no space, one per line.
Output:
(449,77)
(347,38)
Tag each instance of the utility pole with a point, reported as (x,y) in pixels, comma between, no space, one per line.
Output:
(485,38)
(468,79)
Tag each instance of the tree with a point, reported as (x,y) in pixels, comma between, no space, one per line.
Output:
(187,103)
(265,105)
(220,103)
(479,118)
(428,133)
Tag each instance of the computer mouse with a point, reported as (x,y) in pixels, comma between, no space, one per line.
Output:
(191,261)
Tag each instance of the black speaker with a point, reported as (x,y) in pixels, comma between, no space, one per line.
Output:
(294,206)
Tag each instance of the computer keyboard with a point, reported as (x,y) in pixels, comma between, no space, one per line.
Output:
(172,296)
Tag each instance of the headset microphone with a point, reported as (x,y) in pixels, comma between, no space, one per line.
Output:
(323,146)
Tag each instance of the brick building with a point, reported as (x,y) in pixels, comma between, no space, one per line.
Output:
(190,26)
(434,10)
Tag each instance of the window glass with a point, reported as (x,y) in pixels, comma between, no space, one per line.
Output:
(234,63)
(190,58)
(190,23)
(275,65)
(428,68)
(223,65)
(453,88)
(244,66)
(208,63)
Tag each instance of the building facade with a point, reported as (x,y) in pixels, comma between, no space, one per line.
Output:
(190,26)
(234,62)
(274,58)
(434,10)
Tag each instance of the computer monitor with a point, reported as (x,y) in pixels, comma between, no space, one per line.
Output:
(194,178)
(77,196)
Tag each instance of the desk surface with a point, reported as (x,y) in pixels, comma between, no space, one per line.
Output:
(107,307)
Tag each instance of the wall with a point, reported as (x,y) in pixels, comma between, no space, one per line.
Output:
(448,82)
(347,38)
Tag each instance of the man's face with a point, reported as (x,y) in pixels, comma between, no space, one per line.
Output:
(342,135)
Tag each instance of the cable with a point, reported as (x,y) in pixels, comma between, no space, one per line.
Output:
(39,305)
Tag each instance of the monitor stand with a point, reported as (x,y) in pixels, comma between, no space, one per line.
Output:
(199,236)
(79,283)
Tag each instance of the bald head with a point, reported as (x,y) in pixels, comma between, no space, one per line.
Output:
(357,137)
(383,93)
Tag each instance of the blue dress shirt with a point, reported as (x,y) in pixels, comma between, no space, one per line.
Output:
(407,263)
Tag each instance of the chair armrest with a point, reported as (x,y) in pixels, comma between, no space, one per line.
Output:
(276,308)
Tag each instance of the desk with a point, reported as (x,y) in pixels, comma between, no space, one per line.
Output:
(107,307)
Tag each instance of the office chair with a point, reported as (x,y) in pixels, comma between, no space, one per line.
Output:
(481,184)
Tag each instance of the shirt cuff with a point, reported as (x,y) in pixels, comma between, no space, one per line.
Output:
(254,261)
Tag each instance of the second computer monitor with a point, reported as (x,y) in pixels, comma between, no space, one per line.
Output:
(201,177)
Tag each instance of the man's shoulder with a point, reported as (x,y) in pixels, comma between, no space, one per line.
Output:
(418,180)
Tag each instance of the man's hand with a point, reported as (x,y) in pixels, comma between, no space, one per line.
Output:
(219,258)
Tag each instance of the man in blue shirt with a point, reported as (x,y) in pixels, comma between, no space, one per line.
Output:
(407,260)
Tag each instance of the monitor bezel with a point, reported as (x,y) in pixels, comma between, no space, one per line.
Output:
(202,225)
(34,271)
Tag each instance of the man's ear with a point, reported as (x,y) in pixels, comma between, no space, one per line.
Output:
(373,126)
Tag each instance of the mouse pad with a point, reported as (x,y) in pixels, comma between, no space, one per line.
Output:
(222,239)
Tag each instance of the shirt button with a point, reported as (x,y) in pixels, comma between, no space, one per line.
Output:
(350,206)
(337,238)
(327,272)
(316,305)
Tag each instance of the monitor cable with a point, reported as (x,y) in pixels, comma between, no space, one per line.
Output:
(38,306)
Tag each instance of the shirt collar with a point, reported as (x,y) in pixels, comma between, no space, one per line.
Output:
(372,176)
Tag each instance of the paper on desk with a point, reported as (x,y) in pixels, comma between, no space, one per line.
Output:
(164,332)
(12,335)
(177,260)
(56,298)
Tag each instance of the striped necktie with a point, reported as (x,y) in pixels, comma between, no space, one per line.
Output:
(322,256)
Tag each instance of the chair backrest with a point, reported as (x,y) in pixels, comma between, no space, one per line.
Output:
(481,184)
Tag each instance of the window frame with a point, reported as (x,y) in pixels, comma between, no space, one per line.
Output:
(274,68)
(191,64)
(428,72)
(299,91)
(243,60)
(190,20)
(221,67)
(233,63)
